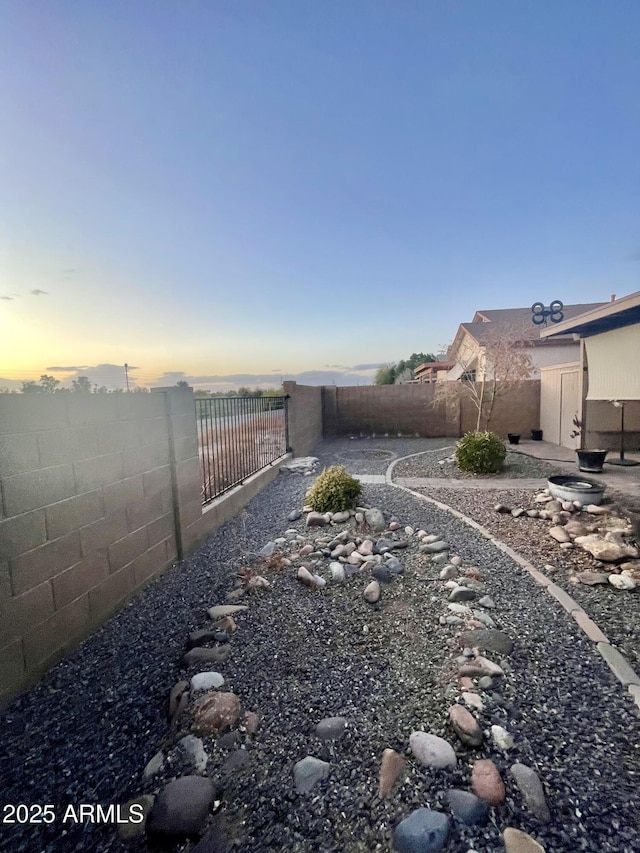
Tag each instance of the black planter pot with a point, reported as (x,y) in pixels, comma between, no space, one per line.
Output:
(591,461)
(536,435)
(514,438)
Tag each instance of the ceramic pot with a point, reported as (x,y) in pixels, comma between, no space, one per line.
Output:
(591,461)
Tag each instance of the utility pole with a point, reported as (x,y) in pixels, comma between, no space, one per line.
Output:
(126,374)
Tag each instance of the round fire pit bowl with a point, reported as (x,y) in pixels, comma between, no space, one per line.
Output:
(572,488)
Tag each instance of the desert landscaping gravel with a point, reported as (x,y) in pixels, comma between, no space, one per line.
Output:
(516,466)
(299,656)
(617,613)
(373,455)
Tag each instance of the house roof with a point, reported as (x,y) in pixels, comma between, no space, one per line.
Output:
(516,315)
(599,318)
(432,365)
(517,321)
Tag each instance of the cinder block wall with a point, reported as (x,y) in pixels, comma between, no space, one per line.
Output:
(516,409)
(410,410)
(305,417)
(98,495)
(86,517)
(392,409)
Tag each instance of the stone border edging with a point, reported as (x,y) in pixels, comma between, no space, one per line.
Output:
(616,662)
(392,465)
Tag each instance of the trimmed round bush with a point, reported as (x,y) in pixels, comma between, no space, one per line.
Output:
(334,490)
(480,453)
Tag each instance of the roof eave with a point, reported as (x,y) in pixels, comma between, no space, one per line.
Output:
(590,319)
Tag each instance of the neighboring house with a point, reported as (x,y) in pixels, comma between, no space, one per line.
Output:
(607,369)
(431,371)
(468,352)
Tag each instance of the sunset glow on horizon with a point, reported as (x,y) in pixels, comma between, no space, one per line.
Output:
(234,194)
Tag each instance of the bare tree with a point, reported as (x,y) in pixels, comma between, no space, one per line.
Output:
(502,364)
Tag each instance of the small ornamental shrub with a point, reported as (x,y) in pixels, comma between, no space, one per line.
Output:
(480,453)
(334,490)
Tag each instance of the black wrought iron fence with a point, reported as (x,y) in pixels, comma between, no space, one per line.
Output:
(238,436)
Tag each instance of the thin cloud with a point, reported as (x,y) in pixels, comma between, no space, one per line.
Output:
(112,376)
(7,298)
(251,380)
(111,369)
(238,378)
(37,292)
(370,366)
(171,377)
(68,368)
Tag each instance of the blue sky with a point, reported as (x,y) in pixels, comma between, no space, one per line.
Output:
(220,190)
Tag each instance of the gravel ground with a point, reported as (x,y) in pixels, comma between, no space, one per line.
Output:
(374,455)
(87,730)
(617,613)
(516,465)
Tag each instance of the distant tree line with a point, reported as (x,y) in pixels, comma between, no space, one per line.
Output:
(228,403)
(241,392)
(83,385)
(403,370)
(80,385)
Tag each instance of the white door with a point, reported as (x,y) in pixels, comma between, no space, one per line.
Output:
(569,406)
(550,404)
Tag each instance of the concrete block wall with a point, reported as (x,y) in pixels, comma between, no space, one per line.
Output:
(98,495)
(217,513)
(386,409)
(516,410)
(404,409)
(86,517)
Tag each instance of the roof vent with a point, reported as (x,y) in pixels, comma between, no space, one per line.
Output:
(613,297)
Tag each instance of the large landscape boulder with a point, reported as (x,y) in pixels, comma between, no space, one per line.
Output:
(301,465)
(605,550)
(182,807)
(215,712)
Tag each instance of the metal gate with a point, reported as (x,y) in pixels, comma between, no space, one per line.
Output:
(238,436)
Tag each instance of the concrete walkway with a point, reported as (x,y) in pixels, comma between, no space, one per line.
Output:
(625,480)
(443,483)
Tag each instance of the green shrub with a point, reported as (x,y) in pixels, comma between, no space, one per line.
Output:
(480,453)
(334,490)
